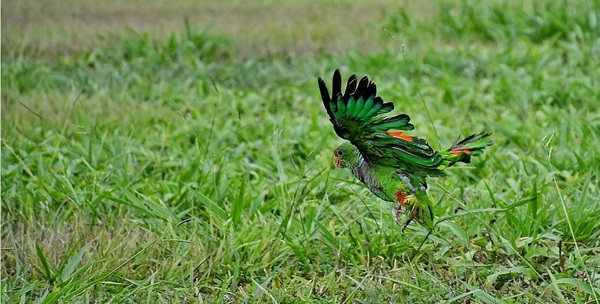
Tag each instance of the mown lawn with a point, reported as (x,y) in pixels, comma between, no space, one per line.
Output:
(180,153)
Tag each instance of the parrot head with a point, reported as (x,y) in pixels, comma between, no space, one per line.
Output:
(345,155)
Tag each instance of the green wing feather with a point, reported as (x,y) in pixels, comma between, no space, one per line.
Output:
(357,116)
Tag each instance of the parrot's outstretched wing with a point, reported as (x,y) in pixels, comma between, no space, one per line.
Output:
(357,116)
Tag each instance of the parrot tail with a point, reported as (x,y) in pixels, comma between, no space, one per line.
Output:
(461,151)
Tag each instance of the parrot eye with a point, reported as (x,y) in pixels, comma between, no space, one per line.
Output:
(339,153)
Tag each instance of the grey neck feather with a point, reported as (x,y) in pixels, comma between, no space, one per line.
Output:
(361,170)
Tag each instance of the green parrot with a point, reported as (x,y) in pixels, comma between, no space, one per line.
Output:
(394,166)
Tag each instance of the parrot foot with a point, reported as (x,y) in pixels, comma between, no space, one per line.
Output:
(398,212)
(404,202)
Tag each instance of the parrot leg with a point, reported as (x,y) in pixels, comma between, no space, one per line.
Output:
(410,219)
(412,216)
(399,211)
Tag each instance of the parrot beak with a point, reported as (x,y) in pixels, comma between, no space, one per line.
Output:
(336,161)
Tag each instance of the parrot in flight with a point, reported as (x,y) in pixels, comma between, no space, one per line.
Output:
(393,165)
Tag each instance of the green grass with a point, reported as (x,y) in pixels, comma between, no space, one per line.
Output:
(192,163)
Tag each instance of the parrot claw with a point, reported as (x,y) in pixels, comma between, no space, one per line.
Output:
(406,223)
(398,212)
(409,205)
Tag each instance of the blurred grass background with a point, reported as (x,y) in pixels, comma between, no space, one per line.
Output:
(261,27)
(179,152)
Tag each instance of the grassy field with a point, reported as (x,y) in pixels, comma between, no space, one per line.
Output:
(180,153)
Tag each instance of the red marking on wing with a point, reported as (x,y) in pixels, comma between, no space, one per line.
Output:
(401,197)
(459,151)
(398,135)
